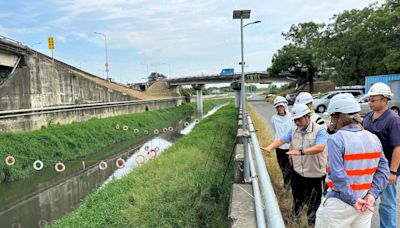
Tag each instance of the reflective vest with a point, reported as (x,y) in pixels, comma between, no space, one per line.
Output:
(308,165)
(361,157)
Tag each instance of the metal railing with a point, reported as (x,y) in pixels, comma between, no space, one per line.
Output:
(78,107)
(272,211)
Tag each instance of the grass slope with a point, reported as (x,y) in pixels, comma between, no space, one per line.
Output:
(184,187)
(70,142)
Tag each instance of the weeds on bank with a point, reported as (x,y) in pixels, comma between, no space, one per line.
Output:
(72,141)
(185,187)
(284,196)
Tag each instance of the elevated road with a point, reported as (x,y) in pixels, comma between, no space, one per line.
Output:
(254,77)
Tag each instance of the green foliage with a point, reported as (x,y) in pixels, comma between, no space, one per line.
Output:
(356,43)
(70,142)
(184,187)
(154,76)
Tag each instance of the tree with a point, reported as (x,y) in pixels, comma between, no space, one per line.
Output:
(154,76)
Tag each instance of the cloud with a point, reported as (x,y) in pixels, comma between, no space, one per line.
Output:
(192,35)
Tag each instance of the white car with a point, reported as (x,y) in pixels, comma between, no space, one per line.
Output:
(363,100)
(320,103)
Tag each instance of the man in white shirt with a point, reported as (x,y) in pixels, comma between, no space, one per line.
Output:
(282,123)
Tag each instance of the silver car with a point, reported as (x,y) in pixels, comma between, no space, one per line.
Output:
(320,103)
(363,100)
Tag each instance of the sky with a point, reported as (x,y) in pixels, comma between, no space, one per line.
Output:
(177,38)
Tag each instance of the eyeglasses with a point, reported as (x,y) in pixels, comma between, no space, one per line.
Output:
(298,119)
(374,100)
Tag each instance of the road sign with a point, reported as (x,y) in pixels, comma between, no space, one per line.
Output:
(51,43)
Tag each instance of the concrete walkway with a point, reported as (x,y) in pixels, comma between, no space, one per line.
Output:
(266,110)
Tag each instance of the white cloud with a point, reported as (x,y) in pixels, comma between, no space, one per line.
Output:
(192,35)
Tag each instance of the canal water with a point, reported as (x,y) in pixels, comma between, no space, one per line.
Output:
(47,196)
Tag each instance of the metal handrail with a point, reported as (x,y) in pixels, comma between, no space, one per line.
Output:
(68,108)
(256,191)
(272,211)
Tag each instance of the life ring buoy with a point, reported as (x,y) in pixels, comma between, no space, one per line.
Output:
(136,130)
(156,131)
(140,159)
(146,132)
(125,128)
(186,124)
(120,163)
(38,165)
(117,126)
(196,120)
(170,128)
(152,154)
(10,160)
(165,129)
(59,167)
(103,165)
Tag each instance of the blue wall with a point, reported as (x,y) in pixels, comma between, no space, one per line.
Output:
(395,85)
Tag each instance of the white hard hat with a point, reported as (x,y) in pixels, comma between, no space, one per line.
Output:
(380,89)
(342,96)
(343,104)
(304,98)
(299,110)
(279,100)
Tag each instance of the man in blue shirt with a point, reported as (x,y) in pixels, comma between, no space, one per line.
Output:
(385,124)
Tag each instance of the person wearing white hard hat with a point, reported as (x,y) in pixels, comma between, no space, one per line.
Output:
(308,153)
(385,124)
(282,123)
(331,127)
(307,99)
(357,169)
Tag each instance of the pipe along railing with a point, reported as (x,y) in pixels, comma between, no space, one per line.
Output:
(272,212)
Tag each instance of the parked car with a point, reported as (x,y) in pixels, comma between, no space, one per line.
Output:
(363,100)
(320,103)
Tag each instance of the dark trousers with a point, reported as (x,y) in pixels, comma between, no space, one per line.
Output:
(286,168)
(307,191)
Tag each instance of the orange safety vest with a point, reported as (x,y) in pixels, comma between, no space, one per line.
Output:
(361,157)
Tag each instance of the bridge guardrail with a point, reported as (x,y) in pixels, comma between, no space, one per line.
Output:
(37,111)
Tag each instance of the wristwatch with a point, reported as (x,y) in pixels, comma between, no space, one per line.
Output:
(393,172)
(301,152)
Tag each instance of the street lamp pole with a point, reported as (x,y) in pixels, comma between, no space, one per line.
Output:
(105,44)
(244,14)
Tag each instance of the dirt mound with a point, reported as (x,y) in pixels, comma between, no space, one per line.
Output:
(160,88)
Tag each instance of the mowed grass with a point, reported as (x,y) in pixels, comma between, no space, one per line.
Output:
(284,196)
(80,139)
(186,186)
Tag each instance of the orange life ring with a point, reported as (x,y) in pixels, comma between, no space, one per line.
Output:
(10,160)
(57,167)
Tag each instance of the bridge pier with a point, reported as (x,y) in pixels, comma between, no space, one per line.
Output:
(236,86)
(199,93)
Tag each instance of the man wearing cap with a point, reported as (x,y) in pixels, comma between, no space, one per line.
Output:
(282,123)
(385,124)
(307,148)
(357,169)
